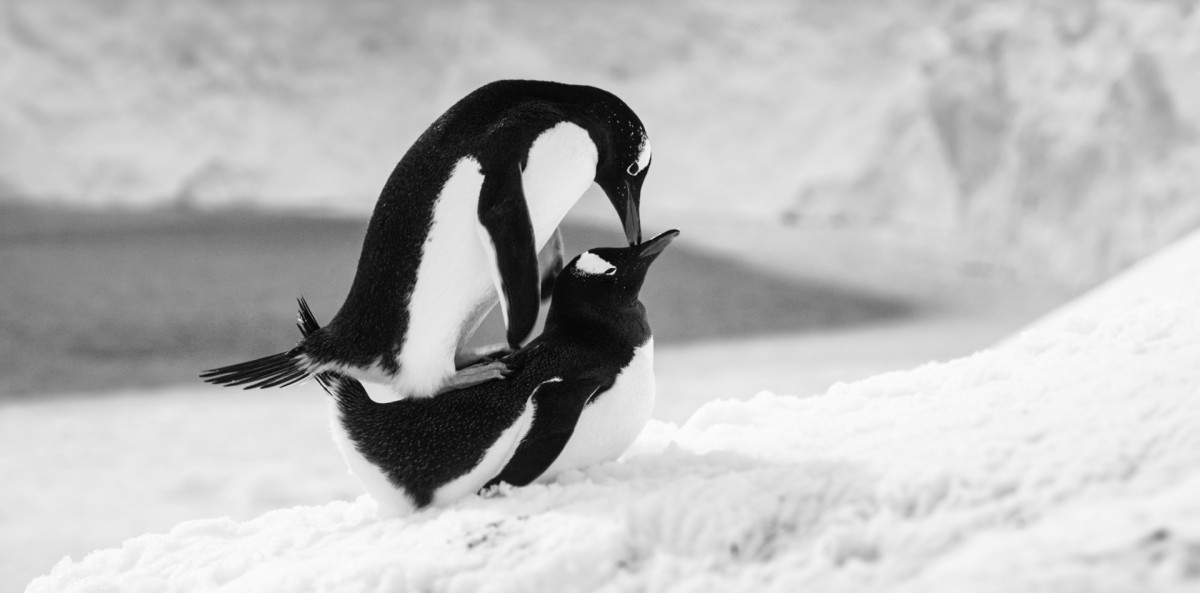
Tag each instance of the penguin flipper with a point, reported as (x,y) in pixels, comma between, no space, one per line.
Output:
(506,232)
(558,406)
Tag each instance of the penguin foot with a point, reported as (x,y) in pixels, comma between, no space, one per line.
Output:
(474,375)
(480,355)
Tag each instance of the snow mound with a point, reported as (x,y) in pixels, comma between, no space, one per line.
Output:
(1069,459)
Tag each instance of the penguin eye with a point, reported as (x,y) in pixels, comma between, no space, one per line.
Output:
(610,272)
(643,158)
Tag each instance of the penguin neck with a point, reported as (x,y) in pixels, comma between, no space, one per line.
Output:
(624,324)
(559,167)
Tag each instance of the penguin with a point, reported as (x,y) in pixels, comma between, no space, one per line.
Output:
(592,359)
(596,304)
(458,226)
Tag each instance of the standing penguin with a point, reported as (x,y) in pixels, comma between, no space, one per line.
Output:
(460,221)
(578,394)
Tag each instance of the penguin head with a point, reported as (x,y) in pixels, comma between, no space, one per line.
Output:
(599,284)
(624,154)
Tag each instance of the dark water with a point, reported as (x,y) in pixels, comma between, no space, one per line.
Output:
(96,301)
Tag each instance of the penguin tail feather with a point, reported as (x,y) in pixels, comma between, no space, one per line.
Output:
(277,370)
(347,390)
(306,321)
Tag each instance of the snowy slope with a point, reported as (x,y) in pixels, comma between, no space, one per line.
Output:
(1169,273)
(1067,460)
(1054,136)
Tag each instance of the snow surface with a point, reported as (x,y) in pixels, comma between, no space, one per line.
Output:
(1066,460)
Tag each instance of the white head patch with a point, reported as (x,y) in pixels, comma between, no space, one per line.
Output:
(643,159)
(594,265)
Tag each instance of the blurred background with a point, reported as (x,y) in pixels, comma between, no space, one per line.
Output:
(862,186)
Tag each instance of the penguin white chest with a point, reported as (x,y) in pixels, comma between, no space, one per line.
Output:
(457,276)
(610,424)
(453,289)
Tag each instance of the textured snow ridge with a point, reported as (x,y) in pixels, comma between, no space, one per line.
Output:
(1067,460)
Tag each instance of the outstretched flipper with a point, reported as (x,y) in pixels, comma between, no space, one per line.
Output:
(558,256)
(506,232)
(558,406)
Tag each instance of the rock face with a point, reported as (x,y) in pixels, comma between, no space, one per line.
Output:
(1057,139)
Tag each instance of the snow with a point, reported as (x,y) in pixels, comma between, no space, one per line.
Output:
(1067,459)
(1172,271)
(91,471)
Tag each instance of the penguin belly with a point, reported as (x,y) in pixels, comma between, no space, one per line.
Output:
(455,287)
(614,419)
(453,290)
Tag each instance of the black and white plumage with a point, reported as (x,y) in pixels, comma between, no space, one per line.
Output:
(555,411)
(459,223)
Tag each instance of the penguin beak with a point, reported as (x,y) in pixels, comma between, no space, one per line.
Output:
(633,273)
(624,192)
(626,197)
(648,251)
(632,218)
